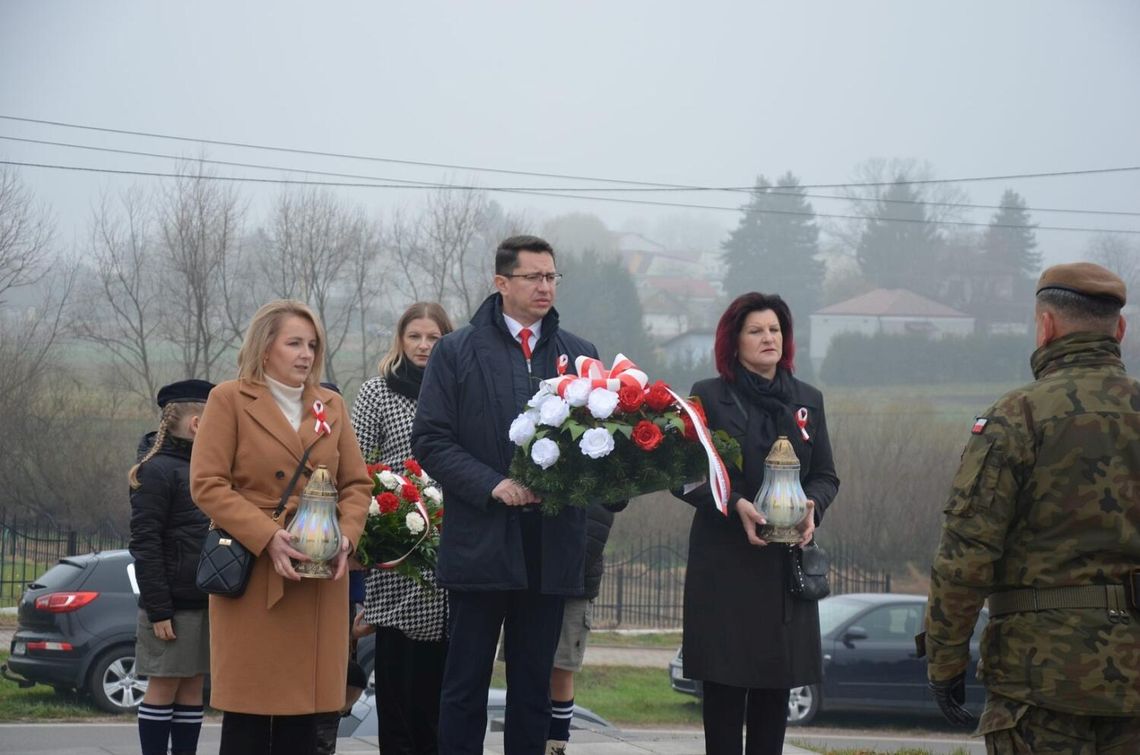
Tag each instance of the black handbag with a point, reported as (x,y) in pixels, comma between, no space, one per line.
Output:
(807,577)
(225,564)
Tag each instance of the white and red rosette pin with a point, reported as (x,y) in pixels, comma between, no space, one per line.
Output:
(802,422)
(321,420)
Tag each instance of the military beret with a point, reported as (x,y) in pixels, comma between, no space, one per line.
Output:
(1084,278)
(184,390)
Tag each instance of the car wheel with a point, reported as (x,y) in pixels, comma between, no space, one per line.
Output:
(114,686)
(803,705)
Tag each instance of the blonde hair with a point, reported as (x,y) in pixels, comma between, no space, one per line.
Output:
(263,328)
(421,310)
(172,414)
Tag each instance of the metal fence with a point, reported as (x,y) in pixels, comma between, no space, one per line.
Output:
(28,550)
(643,585)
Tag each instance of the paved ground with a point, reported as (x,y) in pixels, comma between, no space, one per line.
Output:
(122,739)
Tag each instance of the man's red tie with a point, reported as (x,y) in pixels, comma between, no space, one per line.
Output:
(524,341)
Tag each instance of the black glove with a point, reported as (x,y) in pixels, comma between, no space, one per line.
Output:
(951,697)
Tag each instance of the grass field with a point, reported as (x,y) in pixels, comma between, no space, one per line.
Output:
(629,696)
(668,640)
(41,703)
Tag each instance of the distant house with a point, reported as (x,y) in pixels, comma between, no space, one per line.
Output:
(678,291)
(885,310)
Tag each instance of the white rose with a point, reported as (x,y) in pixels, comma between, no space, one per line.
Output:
(374,508)
(522,429)
(424,479)
(578,392)
(596,442)
(433,494)
(602,402)
(414,522)
(544,452)
(539,396)
(553,411)
(389,480)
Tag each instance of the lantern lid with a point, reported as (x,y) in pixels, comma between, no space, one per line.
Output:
(321,484)
(782,455)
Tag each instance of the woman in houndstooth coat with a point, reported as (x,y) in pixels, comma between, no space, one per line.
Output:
(409,618)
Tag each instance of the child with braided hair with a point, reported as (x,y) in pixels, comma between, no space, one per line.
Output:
(167,532)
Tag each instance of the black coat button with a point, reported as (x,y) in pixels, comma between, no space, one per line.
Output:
(280,475)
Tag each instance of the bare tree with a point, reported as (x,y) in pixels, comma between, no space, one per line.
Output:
(367,286)
(1118,254)
(26,231)
(314,239)
(119,310)
(199,225)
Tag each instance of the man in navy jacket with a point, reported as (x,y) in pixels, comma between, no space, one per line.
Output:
(506,565)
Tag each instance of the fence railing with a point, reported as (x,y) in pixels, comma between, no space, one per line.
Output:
(644,582)
(27,550)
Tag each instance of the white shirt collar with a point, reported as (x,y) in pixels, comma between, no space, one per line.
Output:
(515,326)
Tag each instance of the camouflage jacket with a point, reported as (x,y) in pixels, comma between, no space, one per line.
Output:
(1047,495)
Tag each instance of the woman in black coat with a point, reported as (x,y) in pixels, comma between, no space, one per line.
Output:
(745,637)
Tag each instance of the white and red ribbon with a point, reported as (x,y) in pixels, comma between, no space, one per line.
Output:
(622,372)
(802,421)
(427,530)
(718,473)
(320,425)
(563,363)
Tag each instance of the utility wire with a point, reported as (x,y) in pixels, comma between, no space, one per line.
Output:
(479,169)
(540,193)
(773,190)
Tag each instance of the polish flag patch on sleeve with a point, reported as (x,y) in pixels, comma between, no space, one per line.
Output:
(979,425)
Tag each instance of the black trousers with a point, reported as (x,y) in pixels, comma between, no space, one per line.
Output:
(531,623)
(726,710)
(250,734)
(409,675)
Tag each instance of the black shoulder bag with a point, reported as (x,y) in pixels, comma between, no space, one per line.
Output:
(807,573)
(225,564)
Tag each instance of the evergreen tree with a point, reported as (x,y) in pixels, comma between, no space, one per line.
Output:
(1014,247)
(774,249)
(598,300)
(899,246)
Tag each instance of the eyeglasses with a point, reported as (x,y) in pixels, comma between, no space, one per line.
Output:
(535,278)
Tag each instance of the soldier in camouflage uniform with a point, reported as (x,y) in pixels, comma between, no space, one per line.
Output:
(1044,521)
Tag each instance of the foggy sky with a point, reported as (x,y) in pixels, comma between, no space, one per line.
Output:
(709,93)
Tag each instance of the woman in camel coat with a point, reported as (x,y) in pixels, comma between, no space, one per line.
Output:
(279,653)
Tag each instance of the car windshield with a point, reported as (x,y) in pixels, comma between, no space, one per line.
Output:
(835,611)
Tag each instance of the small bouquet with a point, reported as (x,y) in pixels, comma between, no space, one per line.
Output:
(606,435)
(401,531)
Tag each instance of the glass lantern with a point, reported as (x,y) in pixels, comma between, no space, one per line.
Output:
(781,499)
(314,530)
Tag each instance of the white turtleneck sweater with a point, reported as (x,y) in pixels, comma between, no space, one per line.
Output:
(288,399)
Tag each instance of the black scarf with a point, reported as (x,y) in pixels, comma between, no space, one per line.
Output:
(773,399)
(406,379)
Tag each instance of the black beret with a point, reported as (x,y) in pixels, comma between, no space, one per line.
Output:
(183,391)
(1084,278)
(331,386)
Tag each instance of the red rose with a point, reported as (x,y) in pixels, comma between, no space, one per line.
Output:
(690,431)
(647,435)
(413,467)
(387,502)
(410,492)
(373,469)
(658,397)
(438,514)
(630,398)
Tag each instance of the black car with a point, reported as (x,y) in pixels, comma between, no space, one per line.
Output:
(869,660)
(76,631)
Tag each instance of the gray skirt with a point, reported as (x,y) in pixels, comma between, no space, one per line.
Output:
(187,655)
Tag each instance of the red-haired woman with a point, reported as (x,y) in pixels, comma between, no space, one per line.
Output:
(745,638)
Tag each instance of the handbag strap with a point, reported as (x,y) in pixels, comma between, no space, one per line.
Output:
(293,481)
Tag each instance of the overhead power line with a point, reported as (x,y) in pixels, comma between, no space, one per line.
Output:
(540,193)
(775,190)
(506,171)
